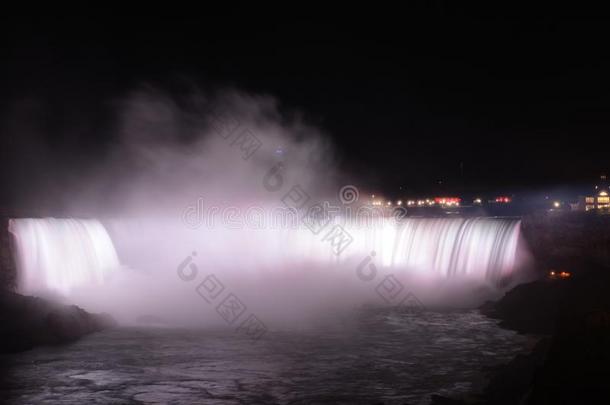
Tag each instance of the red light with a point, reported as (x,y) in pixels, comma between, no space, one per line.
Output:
(447,200)
(503,199)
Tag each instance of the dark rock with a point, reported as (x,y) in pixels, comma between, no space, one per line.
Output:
(573,365)
(529,308)
(512,381)
(566,240)
(577,368)
(30,321)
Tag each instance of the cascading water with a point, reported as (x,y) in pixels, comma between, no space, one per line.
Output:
(480,248)
(63,254)
(59,254)
(483,248)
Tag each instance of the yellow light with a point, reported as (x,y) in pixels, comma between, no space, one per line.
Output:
(556,204)
(477,201)
(603,193)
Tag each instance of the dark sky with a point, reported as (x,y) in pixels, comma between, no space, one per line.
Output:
(517,98)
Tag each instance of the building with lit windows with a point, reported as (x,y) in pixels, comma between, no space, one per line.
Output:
(599,201)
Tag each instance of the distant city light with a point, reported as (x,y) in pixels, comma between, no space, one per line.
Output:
(597,200)
(559,274)
(447,201)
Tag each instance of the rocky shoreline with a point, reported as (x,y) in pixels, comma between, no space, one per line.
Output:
(570,364)
(28,322)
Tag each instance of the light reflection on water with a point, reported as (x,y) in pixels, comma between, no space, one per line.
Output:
(377,356)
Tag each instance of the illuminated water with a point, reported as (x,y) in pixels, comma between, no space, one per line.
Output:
(59,254)
(317,356)
(483,248)
(286,275)
(374,356)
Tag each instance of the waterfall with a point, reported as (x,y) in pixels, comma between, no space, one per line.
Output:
(59,254)
(483,248)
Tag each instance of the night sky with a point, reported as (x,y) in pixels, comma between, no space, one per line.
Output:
(478,99)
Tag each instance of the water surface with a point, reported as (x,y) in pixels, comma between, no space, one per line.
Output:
(375,356)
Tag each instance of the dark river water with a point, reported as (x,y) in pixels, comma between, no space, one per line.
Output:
(374,356)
